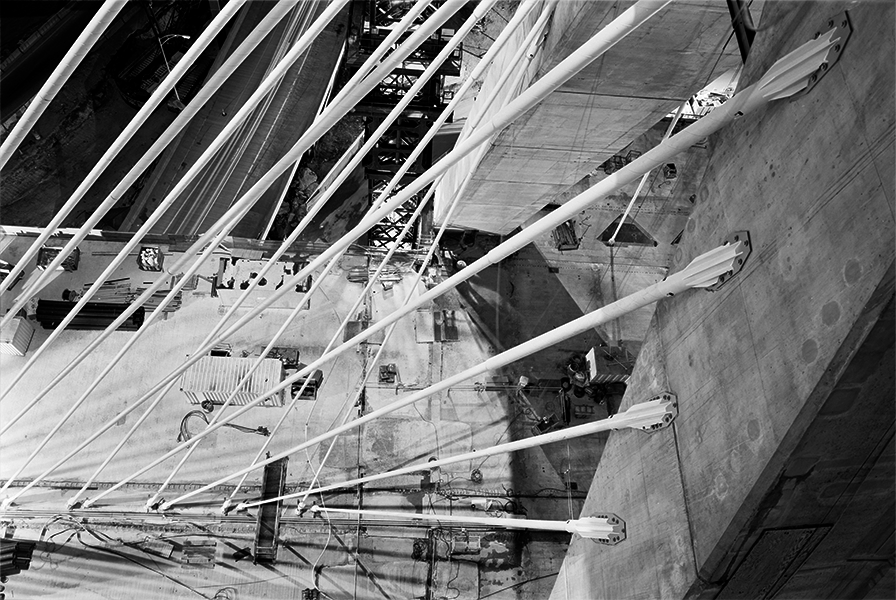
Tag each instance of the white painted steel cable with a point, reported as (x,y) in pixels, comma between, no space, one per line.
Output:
(570,526)
(411,289)
(239,208)
(283,327)
(77,404)
(284,247)
(375,56)
(432,248)
(352,93)
(602,41)
(634,417)
(525,49)
(124,253)
(60,75)
(477,72)
(370,366)
(349,315)
(536,32)
(703,271)
(590,51)
(214,83)
(788,76)
(479,12)
(167,84)
(565,70)
(247,130)
(325,100)
(244,50)
(631,202)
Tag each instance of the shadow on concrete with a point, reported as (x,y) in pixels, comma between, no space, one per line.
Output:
(513,302)
(521,298)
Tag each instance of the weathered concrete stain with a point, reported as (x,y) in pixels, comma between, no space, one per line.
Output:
(809,351)
(754,431)
(735,462)
(852,272)
(830,313)
(720,488)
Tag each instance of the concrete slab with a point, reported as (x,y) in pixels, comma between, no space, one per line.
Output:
(753,363)
(594,274)
(598,112)
(638,480)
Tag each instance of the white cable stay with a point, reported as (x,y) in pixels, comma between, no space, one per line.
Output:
(352,92)
(468,82)
(480,11)
(285,245)
(789,75)
(60,75)
(278,12)
(349,96)
(703,271)
(526,49)
(605,39)
(650,415)
(590,51)
(561,73)
(167,84)
(750,99)
(631,202)
(605,528)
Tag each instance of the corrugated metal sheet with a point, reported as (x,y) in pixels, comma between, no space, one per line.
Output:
(15,337)
(216,377)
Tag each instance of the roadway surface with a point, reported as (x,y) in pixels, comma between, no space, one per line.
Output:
(270,130)
(27,71)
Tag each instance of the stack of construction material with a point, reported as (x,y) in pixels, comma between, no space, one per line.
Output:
(94,315)
(46,255)
(15,337)
(153,302)
(115,291)
(215,378)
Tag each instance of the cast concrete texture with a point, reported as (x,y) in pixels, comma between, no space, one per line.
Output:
(595,114)
(754,364)
(460,419)
(595,274)
(768,404)
(161,350)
